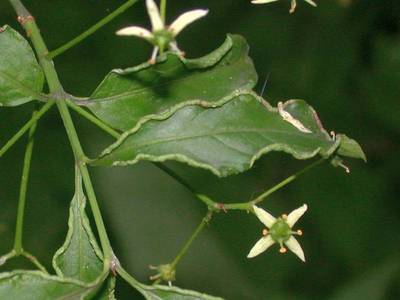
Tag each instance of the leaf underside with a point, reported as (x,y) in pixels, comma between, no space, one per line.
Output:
(21,77)
(125,96)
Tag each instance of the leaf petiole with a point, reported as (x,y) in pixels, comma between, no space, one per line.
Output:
(93,119)
(18,248)
(187,245)
(247,206)
(185,248)
(26,127)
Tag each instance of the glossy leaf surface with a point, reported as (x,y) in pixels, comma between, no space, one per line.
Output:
(21,78)
(226,139)
(125,96)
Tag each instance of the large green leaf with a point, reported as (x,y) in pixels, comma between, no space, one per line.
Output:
(80,257)
(161,292)
(125,96)
(226,139)
(21,78)
(35,285)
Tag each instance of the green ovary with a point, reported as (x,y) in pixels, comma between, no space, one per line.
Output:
(280,231)
(162,38)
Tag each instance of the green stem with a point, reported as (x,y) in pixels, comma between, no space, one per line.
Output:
(29,24)
(26,127)
(27,255)
(286,181)
(4,258)
(247,206)
(117,135)
(91,30)
(19,8)
(34,261)
(187,245)
(23,188)
(80,158)
(163,10)
(93,119)
(175,176)
(128,278)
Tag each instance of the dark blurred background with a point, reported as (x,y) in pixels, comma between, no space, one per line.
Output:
(342,57)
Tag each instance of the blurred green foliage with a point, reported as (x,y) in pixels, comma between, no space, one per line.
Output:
(342,57)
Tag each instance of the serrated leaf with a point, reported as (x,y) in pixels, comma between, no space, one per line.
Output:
(21,78)
(80,257)
(226,139)
(125,96)
(350,148)
(161,292)
(35,285)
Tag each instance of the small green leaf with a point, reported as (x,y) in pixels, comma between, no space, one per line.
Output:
(225,139)
(125,96)
(36,285)
(161,292)
(80,257)
(21,78)
(350,148)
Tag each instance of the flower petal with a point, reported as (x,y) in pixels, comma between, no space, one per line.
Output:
(263,244)
(154,14)
(295,247)
(136,31)
(185,19)
(311,2)
(295,215)
(262,1)
(266,218)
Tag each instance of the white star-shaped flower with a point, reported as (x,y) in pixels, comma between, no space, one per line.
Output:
(279,230)
(292,6)
(161,35)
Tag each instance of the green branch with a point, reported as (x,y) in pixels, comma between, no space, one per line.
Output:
(128,278)
(286,181)
(56,89)
(26,127)
(91,30)
(167,272)
(23,188)
(248,206)
(34,261)
(187,245)
(93,119)
(80,160)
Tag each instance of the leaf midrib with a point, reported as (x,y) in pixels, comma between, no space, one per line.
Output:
(213,134)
